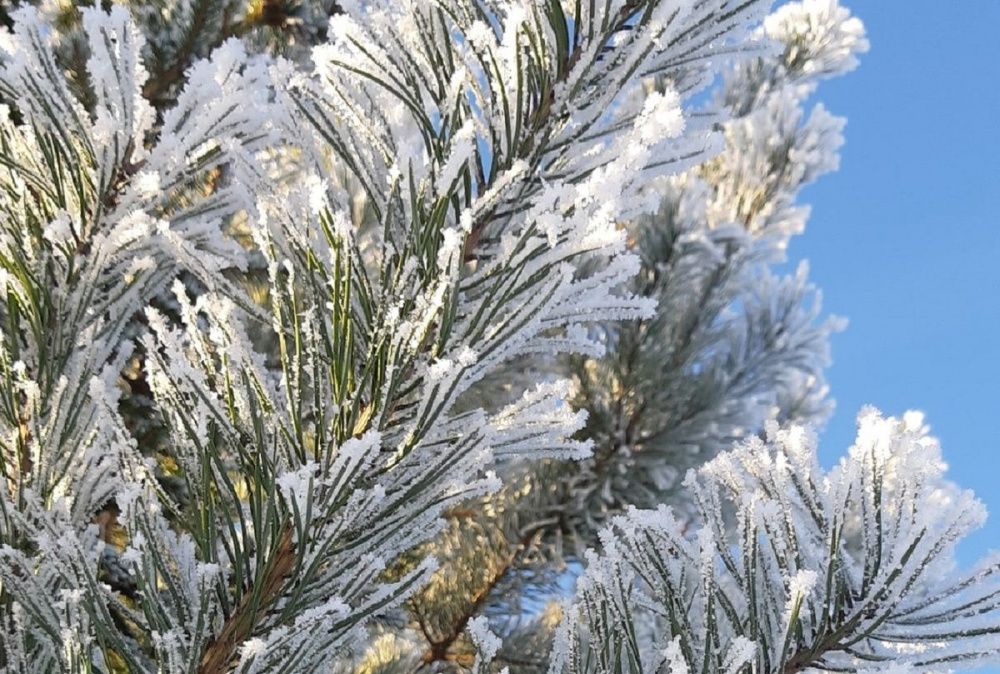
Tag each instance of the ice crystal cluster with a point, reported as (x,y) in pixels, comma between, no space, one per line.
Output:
(788,568)
(330,333)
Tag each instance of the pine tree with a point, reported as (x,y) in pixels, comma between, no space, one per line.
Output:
(423,312)
(731,346)
(792,568)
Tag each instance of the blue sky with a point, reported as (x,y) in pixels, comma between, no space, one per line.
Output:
(905,239)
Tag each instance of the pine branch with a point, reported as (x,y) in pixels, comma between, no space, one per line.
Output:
(440,646)
(746,591)
(254,604)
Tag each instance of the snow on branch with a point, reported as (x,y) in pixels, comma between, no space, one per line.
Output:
(441,192)
(785,567)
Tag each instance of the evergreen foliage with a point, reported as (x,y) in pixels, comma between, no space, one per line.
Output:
(337,336)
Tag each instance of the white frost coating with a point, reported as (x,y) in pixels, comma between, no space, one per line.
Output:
(883,524)
(486,642)
(147,183)
(661,117)
(463,142)
(733,344)
(741,651)
(827,38)
(297,485)
(674,658)
(799,588)
(439,195)
(96,240)
(251,648)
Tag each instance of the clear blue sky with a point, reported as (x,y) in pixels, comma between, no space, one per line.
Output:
(905,239)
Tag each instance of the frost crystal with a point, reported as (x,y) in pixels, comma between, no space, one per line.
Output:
(862,557)
(289,320)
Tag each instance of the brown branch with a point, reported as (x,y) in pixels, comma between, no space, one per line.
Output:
(253,605)
(831,641)
(439,648)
